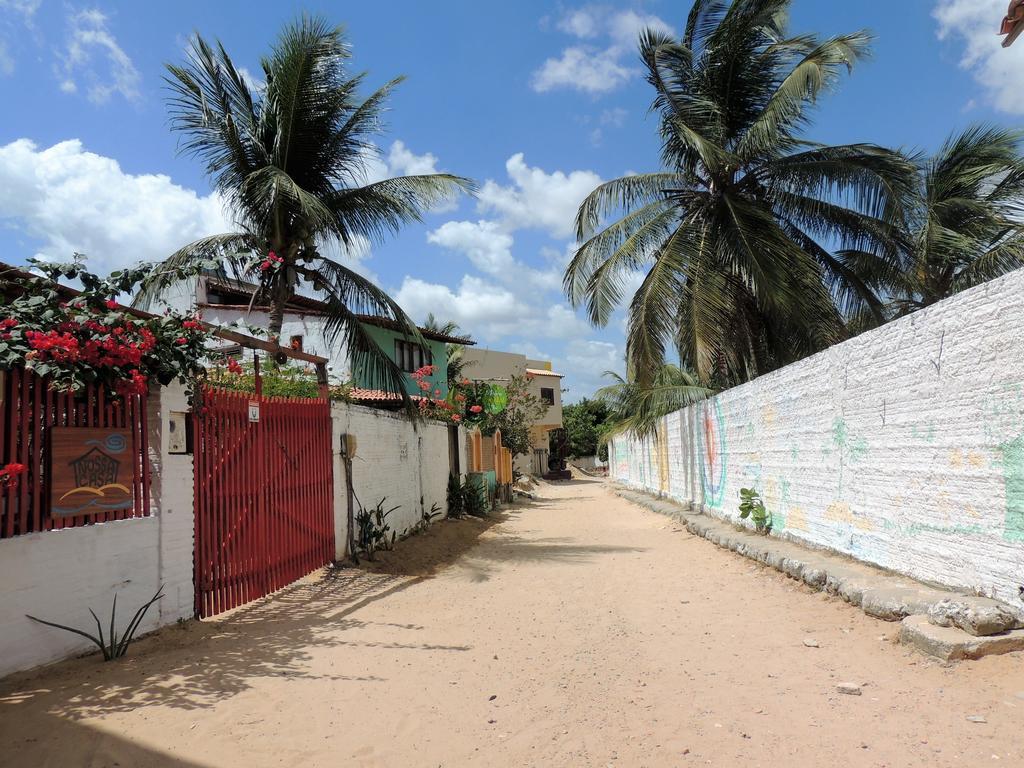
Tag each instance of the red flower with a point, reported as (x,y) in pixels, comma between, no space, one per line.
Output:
(456,417)
(475,408)
(437,393)
(8,322)
(265,266)
(111,304)
(9,474)
(181,340)
(233,366)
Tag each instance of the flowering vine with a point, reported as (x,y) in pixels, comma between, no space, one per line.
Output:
(76,339)
(9,475)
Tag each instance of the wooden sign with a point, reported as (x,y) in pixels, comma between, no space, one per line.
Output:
(91,470)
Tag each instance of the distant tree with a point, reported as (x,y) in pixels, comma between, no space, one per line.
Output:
(290,158)
(522,411)
(637,409)
(583,423)
(457,363)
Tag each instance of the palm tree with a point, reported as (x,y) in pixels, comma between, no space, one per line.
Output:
(457,363)
(637,408)
(731,238)
(290,158)
(967,222)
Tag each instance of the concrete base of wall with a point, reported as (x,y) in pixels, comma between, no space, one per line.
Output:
(922,609)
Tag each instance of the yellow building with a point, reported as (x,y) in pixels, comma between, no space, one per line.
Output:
(498,368)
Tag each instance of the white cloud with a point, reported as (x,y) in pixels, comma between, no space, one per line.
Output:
(537,199)
(74,200)
(590,67)
(488,311)
(528,348)
(489,248)
(585,361)
(582,22)
(998,70)
(254,82)
(625,27)
(614,117)
(402,161)
(94,56)
(6,62)
(16,14)
(583,68)
(25,8)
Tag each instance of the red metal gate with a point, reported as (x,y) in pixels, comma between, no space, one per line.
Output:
(263,495)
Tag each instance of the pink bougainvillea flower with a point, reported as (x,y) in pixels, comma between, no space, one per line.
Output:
(475,408)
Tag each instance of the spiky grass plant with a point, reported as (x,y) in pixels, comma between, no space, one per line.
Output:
(113,646)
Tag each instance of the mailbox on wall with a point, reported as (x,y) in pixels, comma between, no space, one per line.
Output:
(179,432)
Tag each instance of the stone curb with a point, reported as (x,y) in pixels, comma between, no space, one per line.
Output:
(936,621)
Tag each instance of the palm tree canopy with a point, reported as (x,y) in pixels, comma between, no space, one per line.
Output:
(290,159)
(967,222)
(457,362)
(732,237)
(636,408)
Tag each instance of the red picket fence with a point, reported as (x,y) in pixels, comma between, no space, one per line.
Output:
(29,408)
(263,496)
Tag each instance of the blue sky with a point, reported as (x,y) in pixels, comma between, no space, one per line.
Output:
(536,101)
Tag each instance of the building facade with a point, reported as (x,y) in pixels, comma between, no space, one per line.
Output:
(226,302)
(498,368)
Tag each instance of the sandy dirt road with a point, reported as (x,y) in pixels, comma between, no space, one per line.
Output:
(578,630)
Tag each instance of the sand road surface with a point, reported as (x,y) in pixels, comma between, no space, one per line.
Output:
(574,630)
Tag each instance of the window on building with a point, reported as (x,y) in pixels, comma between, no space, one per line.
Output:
(410,356)
(547,395)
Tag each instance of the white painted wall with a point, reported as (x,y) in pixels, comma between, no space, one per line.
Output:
(59,575)
(903,447)
(407,466)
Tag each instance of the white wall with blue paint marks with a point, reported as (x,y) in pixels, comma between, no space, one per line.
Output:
(903,447)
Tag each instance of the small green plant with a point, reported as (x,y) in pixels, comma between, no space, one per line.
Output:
(427,517)
(113,647)
(753,507)
(456,507)
(373,529)
(474,502)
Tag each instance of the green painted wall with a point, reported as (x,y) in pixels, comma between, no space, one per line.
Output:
(385,337)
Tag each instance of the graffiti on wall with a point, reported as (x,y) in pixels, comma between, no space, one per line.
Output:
(1013,477)
(711,452)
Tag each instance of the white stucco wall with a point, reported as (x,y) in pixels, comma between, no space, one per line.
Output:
(408,467)
(903,447)
(58,575)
